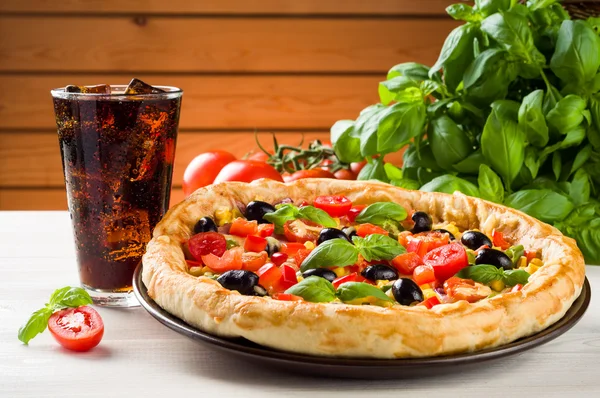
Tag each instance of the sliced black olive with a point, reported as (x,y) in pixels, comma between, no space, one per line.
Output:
(475,239)
(320,272)
(423,222)
(350,232)
(256,210)
(445,231)
(379,272)
(406,291)
(494,257)
(205,224)
(273,245)
(240,280)
(331,233)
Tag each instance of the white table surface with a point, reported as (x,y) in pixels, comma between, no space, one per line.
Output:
(140,357)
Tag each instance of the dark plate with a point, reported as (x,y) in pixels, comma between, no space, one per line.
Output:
(358,368)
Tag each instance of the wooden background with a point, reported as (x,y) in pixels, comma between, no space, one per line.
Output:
(284,66)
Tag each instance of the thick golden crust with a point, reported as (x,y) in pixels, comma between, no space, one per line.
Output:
(364,331)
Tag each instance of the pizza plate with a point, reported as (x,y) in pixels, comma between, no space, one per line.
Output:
(358,368)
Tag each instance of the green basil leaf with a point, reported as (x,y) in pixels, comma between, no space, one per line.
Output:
(406,183)
(543,204)
(454,69)
(366,127)
(285,212)
(36,324)
(573,138)
(378,247)
(580,226)
(373,170)
(531,119)
(347,147)
(333,252)
(577,54)
(412,70)
(392,171)
(391,89)
(481,273)
(490,185)
(532,160)
(69,297)
(567,114)
(314,289)
(489,7)
(449,184)
(581,158)
(316,215)
(516,276)
(488,77)
(551,98)
(448,142)
(462,12)
(351,291)
(423,157)
(556,165)
(546,183)
(580,188)
(378,213)
(594,105)
(515,253)
(470,164)
(399,124)
(456,42)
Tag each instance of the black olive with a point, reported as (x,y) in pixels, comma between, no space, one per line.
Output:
(406,291)
(240,280)
(273,245)
(331,233)
(350,232)
(423,222)
(320,272)
(379,272)
(494,257)
(475,239)
(445,231)
(205,224)
(256,210)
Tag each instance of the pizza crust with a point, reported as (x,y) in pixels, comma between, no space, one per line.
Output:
(364,331)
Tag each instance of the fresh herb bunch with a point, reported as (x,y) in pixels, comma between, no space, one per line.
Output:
(510,112)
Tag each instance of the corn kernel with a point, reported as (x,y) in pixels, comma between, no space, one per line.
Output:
(196,271)
(223,216)
(428,293)
(340,271)
(382,283)
(497,285)
(522,262)
(537,262)
(531,269)
(309,245)
(425,286)
(300,278)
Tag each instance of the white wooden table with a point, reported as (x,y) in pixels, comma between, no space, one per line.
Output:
(140,357)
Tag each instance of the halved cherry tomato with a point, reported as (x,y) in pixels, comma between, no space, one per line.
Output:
(353,277)
(301,255)
(247,171)
(407,262)
(423,274)
(77,329)
(301,231)
(354,212)
(288,277)
(253,261)
(516,288)
(279,258)
(255,243)
(430,302)
(312,173)
(265,230)
(203,170)
(242,227)
(286,297)
(290,248)
(498,240)
(207,243)
(269,276)
(344,174)
(335,205)
(230,260)
(363,230)
(447,260)
(424,242)
(530,254)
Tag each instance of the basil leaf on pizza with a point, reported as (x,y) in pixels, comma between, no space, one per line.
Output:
(350,291)
(380,212)
(314,289)
(378,247)
(318,216)
(285,212)
(288,212)
(334,252)
(482,273)
(515,277)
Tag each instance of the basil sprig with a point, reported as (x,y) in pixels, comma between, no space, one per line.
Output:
(61,298)
(381,212)
(320,290)
(288,212)
(351,291)
(341,253)
(485,274)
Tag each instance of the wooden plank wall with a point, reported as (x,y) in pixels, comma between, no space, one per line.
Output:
(288,66)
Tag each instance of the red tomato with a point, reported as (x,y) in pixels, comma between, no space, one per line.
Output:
(407,262)
(258,155)
(290,248)
(203,170)
(344,174)
(403,238)
(353,277)
(255,243)
(192,263)
(363,230)
(279,258)
(447,260)
(430,302)
(247,171)
(354,212)
(498,240)
(265,230)
(530,255)
(335,206)
(301,255)
(423,274)
(288,277)
(253,261)
(287,297)
(230,260)
(424,242)
(77,329)
(243,227)
(301,231)
(269,276)
(312,173)
(207,243)
(356,167)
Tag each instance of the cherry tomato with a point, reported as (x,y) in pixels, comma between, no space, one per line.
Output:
(363,230)
(230,260)
(253,261)
(255,243)
(424,242)
(423,274)
(353,277)
(203,170)
(301,231)
(279,258)
(207,243)
(287,297)
(312,173)
(344,174)
(354,212)
(356,167)
(243,227)
(301,255)
(335,206)
(265,230)
(431,302)
(258,155)
(269,276)
(288,277)
(77,329)
(407,262)
(447,260)
(498,240)
(290,248)
(247,171)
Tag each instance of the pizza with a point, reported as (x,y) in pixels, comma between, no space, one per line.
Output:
(359,269)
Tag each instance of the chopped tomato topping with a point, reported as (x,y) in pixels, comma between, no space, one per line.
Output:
(242,227)
(207,243)
(530,254)
(253,261)
(353,277)
(431,302)
(423,274)
(265,230)
(230,260)
(465,289)
(447,260)
(288,277)
(354,212)
(287,297)
(335,206)
(498,240)
(269,276)
(255,243)
(407,262)
(301,231)
(424,242)
(279,258)
(301,255)
(363,230)
(290,248)
(403,238)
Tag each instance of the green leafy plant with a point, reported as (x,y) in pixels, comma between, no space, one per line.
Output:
(510,112)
